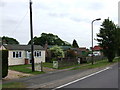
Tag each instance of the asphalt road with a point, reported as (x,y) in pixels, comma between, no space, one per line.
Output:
(105,79)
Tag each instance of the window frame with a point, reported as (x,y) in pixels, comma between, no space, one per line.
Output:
(37,54)
(17,54)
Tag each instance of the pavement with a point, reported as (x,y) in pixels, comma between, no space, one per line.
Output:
(55,78)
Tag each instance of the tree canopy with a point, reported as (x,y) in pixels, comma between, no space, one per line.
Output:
(8,40)
(51,39)
(118,40)
(75,45)
(107,39)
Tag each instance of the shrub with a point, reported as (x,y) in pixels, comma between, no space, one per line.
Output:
(56,52)
(4,63)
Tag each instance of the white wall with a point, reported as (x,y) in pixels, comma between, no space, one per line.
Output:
(41,58)
(16,61)
(20,61)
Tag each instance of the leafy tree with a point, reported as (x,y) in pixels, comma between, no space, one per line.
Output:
(75,45)
(107,39)
(51,40)
(71,53)
(8,40)
(118,41)
(56,52)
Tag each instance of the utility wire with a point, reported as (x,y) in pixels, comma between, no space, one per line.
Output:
(19,23)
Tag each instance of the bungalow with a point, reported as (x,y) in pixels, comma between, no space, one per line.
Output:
(20,54)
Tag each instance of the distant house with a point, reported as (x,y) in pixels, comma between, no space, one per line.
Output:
(82,51)
(97,50)
(20,54)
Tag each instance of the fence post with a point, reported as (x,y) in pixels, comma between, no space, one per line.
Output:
(41,67)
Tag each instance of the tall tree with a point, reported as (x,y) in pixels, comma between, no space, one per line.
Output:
(118,40)
(50,38)
(8,40)
(75,45)
(107,39)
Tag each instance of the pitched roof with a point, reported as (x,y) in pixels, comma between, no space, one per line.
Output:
(23,47)
(97,48)
(83,48)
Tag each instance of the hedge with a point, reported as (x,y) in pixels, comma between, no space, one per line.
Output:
(4,63)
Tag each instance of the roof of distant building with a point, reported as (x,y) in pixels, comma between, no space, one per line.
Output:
(23,47)
(97,48)
(82,48)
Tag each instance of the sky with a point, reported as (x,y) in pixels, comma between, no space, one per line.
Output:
(69,19)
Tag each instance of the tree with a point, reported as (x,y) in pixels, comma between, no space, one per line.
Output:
(51,40)
(118,40)
(8,40)
(75,45)
(57,52)
(107,39)
(71,53)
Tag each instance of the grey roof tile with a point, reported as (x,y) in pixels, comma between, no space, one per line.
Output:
(23,47)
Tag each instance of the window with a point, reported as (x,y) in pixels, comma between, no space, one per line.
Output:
(37,53)
(17,54)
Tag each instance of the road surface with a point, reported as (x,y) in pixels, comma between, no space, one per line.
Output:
(107,78)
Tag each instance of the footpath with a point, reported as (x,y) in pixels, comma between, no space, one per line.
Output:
(54,78)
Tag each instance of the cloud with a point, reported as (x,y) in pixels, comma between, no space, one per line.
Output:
(2,3)
(69,19)
(96,6)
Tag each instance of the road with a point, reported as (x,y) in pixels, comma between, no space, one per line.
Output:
(105,79)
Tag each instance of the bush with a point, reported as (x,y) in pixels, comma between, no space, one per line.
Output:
(56,52)
(4,63)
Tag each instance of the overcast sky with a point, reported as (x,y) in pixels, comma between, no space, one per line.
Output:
(69,19)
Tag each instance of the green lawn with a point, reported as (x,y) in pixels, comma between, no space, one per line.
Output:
(49,65)
(24,69)
(0,86)
(14,85)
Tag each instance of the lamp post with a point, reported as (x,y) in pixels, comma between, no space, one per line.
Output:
(92,35)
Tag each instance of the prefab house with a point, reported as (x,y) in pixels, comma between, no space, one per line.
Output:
(21,54)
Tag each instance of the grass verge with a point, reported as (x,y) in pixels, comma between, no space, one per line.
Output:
(14,85)
(97,64)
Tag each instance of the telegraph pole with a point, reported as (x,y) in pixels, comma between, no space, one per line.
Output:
(31,31)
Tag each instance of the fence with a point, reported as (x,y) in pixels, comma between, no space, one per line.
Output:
(95,58)
(67,62)
(64,62)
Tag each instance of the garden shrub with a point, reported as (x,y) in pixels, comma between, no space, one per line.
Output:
(4,63)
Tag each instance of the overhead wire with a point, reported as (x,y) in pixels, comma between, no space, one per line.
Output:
(19,23)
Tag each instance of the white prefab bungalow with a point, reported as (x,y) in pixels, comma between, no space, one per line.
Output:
(20,54)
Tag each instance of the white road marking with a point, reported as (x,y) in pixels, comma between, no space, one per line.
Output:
(82,78)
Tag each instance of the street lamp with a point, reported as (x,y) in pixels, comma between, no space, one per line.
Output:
(92,35)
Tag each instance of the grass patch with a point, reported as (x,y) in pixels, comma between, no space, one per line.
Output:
(0,86)
(24,69)
(14,85)
(49,65)
(101,63)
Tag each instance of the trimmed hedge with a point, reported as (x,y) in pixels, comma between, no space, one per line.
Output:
(4,63)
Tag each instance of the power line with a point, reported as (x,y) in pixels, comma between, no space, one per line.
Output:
(19,23)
